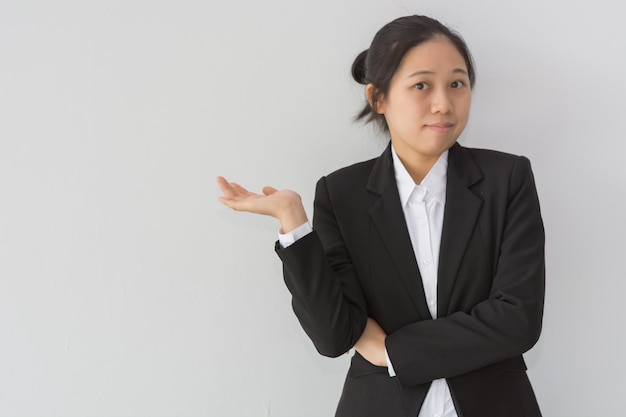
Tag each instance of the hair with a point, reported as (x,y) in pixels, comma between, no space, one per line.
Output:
(379,63)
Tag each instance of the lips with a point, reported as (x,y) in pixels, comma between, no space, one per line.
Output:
(440,127)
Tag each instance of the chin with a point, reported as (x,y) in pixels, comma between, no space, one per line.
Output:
(440,148)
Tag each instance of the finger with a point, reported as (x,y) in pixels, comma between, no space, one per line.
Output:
(225,201)
(233,204)
(269,190)
(221,181)
(226,187)
(238,188)
(243,204)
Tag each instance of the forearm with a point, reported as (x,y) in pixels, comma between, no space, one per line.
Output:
(328,303)
(460,343)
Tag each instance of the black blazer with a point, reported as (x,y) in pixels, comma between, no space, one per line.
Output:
(359,263)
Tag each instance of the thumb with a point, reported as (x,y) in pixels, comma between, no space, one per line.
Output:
(267,190)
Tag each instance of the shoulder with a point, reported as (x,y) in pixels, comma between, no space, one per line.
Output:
(490,156)
(495,173)
(492,162)
(347,186)
(351,175)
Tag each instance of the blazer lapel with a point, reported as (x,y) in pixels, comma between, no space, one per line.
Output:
(460,216)
(388,217)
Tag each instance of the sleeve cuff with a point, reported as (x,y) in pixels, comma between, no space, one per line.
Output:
(390,369)
(299,232)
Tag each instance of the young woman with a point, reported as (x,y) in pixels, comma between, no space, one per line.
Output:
(428,260)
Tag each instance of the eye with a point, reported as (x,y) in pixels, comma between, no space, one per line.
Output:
(421,86)
(457,84)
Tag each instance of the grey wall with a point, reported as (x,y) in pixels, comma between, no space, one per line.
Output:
(127,290)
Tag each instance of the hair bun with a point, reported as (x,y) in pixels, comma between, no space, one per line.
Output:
(358,68)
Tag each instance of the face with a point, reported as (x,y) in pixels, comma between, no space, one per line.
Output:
(428,102)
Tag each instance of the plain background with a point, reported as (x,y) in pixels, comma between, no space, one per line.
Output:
(127,290)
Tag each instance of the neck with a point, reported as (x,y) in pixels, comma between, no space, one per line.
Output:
(418,166)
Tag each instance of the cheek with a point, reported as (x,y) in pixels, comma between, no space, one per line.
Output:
(414,109)
(406,110)
(464,105)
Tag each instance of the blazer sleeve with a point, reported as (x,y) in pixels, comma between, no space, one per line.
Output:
(505,325)
(326,295)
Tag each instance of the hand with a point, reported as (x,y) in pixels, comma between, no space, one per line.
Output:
(284,205)
(371,344)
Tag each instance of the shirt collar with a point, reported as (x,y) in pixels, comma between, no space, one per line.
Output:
(434,182)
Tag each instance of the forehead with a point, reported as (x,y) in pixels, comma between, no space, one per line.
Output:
(437,55)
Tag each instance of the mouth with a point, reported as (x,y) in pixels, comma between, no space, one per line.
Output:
(440,127)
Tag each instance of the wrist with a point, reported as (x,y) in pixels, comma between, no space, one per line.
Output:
(292,215)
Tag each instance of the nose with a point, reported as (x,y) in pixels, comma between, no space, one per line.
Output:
(441,102)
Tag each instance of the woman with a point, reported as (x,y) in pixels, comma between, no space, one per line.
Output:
(428,260)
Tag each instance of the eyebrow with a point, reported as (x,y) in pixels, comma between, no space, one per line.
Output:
(454,71)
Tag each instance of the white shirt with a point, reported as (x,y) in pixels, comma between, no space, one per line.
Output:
(423,207)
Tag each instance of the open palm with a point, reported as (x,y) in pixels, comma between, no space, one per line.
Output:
(284,205)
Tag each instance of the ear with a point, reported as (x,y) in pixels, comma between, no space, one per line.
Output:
(379,107)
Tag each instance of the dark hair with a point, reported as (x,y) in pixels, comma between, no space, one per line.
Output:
(379,63)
